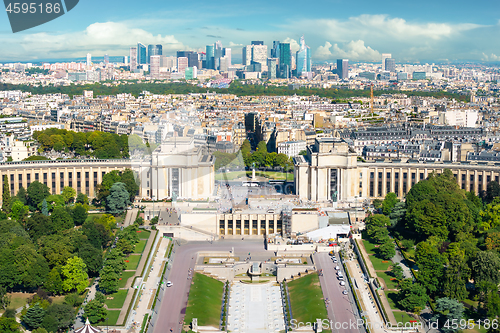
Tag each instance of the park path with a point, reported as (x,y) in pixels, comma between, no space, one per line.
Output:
(130,217)
(138,271)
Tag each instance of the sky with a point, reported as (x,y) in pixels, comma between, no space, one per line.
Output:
(359,30)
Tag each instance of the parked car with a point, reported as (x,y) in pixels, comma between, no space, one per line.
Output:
(337,267)
(342,283)
(345,291)
(169,284)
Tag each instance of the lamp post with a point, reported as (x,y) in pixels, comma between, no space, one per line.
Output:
(153,197)
(107,326)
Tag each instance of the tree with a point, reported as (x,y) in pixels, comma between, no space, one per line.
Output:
(139,221)
(457,273)
(108,281)
(492,191)
(39,225)
(61,219)
(79,214)
(34,316)
(9,313)
(45,209)
(6,195)
(398,213)
(389,202)
(95,311)
(449,311)
(303,152)
(82,199)
(54,283)
(4,298)
(96,233)
(18,211)
(131,183)
(412,296)
(36,193)
(75,275)
(92,258)
(58,317)
(387,250)
(430,265)
(125,246)
(397,271)
(68,194)
(9,325)
(21,195)
(377,203)
(118,198)
(486,268)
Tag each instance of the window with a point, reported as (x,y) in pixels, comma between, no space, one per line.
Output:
(36,177)
(61,180)
(70,179)
(28,180)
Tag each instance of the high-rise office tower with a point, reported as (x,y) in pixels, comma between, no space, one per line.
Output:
(154,50)
(246,55)
(106,59)
(154,66)
(272,63)
(193,57)
(257,42)
(226,52)
(259,54)
(390,65)
(343,68)
(275,51)
(168,62)
(217,54)
(141,54)
(125,60)
(303,58)
(210,63)
(285,64)
(385,56)
(89,60)
(182,64)
(133,58)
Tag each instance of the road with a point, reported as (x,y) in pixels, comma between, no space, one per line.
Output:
(340,310)
(172,302)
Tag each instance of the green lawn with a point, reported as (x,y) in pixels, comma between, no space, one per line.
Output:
(112,317)
(230,175)
(370,247)
(306,299)
(391,284)
(402,317)
(133,262)
(275,175)
(118,299)
(205,301)
(91,217)
(379,264)
(144,234)
(124,278)
(18,300)
(139,247)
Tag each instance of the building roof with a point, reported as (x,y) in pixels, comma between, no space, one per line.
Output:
(87,328)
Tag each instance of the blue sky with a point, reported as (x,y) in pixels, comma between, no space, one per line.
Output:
(357,29)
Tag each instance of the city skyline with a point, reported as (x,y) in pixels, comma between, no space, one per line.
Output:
(359,30)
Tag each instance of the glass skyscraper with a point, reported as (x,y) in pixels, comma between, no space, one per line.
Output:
(210,57)
(343,68)
(141,54)
(285,60)
(154,50)
(303,58)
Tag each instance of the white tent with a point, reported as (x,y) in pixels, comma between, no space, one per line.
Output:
(87,328)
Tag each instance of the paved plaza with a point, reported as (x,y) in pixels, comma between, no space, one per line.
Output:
(255,308)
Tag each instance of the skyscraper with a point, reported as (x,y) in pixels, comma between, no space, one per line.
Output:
(106,59)
(226,52)
(210,57)
(259,53)
(275,51)
(182,64)
(141,54)
(385,56)
(390,65)
(272,63)
(154,50)
(285,64)
(343,68)
(246,55)
(154,66)
(192,57)
(257,42)
(133,58)
(217,54)
(89,60)
(303,58)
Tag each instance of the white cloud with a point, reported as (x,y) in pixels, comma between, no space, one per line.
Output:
(98,38)
(231,44)
(491,57)
(294,45)
(354,50)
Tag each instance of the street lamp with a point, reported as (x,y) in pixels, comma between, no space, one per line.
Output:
(107,326)
(153,197)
